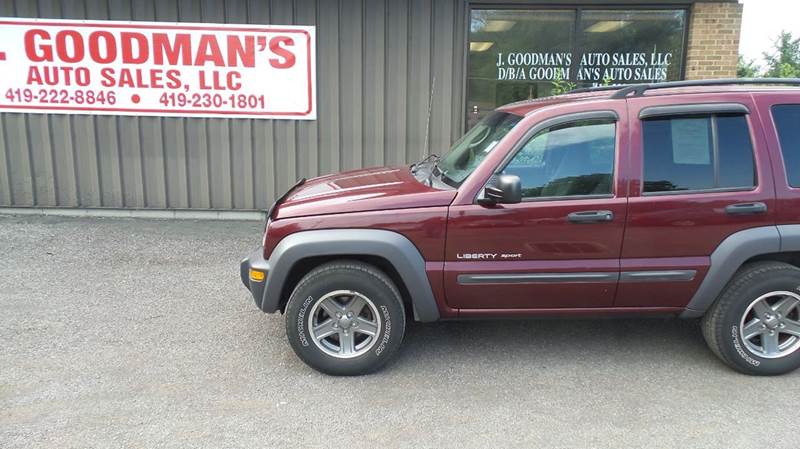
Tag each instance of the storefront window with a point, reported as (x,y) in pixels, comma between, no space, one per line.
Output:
(523,54)
(514,55)
(624,47)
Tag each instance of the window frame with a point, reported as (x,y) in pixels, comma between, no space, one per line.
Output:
(780,144)
(534,130)
(712,115)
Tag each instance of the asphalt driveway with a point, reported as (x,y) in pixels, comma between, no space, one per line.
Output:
(138,333)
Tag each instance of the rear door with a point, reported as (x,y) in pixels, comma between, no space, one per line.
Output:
(701,173)
(559,247)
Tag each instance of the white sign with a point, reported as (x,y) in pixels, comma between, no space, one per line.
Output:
(157,68)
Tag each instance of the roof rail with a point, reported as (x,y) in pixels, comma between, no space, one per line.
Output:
(639,89)
(582,90)
(625,90)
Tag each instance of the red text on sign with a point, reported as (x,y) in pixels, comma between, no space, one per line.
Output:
(70,46)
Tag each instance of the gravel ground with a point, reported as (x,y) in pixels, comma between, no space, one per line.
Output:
(138,333)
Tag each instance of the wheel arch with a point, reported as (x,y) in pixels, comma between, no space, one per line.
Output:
(304,266)
(389,251)
(775,243)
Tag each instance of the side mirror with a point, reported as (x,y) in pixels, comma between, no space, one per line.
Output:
(506,189)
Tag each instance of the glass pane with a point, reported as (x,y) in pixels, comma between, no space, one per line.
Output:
(677,154)
(566,160)
(787,122)
(626,47)
(520,54)
(736,166)
(466,154)
(515,55)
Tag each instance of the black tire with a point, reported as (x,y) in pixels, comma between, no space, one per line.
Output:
(354,276)
(722,322)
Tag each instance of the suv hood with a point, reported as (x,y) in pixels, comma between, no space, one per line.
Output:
(371,189)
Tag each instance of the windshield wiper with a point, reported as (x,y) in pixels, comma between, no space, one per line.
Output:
(435,171)
(415,167)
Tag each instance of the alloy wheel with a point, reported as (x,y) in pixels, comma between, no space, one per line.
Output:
(344,324)
(770,327)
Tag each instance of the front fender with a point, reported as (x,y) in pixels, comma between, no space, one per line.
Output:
(394,247)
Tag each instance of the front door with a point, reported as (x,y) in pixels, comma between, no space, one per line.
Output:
(559,247)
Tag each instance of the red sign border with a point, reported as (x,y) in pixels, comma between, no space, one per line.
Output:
(197,27)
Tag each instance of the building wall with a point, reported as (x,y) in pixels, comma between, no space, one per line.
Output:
(381,65)
(713,47)
(377,63)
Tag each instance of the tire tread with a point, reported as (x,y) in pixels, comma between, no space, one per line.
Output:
(352,265)
(712,321)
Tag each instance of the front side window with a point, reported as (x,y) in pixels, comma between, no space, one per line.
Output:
(787,122)
(697,153)
(572,159)
(466,154)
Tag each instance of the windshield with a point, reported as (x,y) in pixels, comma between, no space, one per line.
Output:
(470,150)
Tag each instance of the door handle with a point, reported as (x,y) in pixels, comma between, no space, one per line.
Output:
(591,216)
(746,209)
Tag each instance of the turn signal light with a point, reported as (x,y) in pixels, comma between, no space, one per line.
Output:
(257,276)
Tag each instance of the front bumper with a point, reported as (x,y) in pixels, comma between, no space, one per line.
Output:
(249,270)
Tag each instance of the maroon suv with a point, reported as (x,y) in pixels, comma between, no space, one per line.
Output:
(665,199)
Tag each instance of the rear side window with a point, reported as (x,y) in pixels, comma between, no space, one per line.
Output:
(787,122)
(697,153)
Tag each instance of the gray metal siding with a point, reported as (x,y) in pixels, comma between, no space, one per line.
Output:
(378,61)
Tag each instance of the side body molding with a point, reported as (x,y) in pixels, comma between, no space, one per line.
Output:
(394,247)
(728,257)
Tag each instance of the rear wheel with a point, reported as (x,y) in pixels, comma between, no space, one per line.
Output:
(345,318)
(754,326)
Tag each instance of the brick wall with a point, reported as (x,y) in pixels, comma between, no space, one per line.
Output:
(713,47)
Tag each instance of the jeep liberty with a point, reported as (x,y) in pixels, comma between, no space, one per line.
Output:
(678,199)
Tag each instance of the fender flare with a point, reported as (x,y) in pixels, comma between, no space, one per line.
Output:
(389,245)
(729,256)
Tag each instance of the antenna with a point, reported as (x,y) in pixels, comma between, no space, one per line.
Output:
(428,121)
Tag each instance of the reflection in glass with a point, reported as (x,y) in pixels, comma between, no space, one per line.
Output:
(477,143)
(625,47)
(514,55)
(520,54)
(736,165)
(787,122)
(679,153)
(567,160)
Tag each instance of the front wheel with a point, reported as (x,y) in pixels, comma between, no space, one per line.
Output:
(754,326)
(345,318)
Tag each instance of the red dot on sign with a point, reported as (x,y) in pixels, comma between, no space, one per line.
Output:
(135,98)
